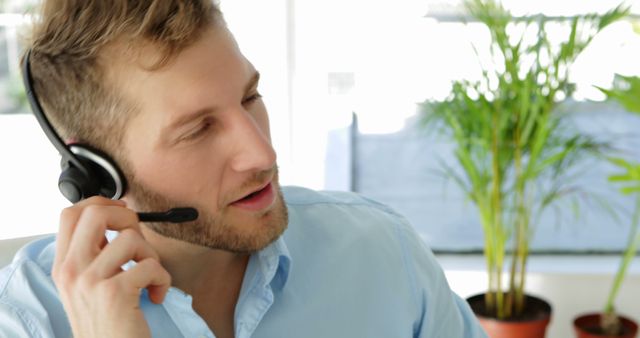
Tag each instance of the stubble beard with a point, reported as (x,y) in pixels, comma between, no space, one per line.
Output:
(220,231)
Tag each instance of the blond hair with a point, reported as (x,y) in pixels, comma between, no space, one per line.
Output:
(68,59)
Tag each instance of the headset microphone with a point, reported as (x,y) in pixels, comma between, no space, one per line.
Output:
(87,171)
(175,215)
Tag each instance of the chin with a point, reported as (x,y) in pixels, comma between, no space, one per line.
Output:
(260,229)
(233,230)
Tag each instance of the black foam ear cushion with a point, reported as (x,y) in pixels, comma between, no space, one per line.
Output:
(76,185)
(104,179)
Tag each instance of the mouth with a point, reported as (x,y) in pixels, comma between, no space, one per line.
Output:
(258,199)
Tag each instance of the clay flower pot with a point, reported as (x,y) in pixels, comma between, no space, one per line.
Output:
(588,326)
(532,324)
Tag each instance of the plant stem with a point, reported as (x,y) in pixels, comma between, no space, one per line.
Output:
(522,225)
(496,212)
(634,241)
(524,247)
(514,260)
(489,297)
(498,271)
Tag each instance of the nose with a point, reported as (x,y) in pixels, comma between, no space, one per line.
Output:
(252,149)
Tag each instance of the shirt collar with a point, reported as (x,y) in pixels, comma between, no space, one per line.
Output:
(275,263)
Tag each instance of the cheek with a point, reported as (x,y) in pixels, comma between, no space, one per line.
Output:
(179,177)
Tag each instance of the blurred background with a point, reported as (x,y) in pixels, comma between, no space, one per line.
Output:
(343,81)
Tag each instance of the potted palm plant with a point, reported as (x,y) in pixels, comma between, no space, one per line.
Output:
(609,323)
(514,150)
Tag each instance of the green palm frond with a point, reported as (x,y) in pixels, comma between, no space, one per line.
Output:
(627,92)
(629,179)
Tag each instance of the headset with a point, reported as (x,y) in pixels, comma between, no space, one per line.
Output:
(87,171)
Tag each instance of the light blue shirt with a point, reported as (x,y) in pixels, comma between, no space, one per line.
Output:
(345,267)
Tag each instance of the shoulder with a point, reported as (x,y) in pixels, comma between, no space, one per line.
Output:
(30,268)
(350,236)
(338,203)
(304,196)
(33,259)
(354,223)
(350,225)
(346,212)
(28,296)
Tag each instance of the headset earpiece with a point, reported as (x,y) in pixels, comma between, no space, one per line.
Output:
(74,184)
(102,177)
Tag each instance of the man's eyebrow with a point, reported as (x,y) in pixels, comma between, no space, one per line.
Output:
(186,118)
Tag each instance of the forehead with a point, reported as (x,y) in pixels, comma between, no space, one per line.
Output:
(208,71)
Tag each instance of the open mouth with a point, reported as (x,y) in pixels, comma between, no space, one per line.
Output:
(254,194)
(257,200)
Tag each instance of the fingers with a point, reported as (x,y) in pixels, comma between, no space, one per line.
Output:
(149,274)
(91,226)
(129,245)
(97,295)
(69,219)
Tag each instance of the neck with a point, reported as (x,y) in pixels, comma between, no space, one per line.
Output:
(197,270)
(213,278)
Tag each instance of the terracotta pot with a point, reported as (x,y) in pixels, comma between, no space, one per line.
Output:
(584,325)
(532,324)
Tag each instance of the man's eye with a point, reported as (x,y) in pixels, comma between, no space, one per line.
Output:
(251,98)
(198,132)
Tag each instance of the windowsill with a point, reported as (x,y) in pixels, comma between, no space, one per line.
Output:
(588,264)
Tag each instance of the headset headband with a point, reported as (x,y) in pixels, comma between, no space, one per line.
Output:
(64,151)
(86,171)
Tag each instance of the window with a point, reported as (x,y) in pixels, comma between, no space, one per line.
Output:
(320,63)
(400,53)
(29,202)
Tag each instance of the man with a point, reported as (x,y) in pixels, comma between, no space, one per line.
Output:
(162,87)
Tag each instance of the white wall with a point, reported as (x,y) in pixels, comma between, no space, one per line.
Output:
(30,202)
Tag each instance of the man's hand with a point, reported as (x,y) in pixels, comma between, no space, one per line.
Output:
(100,299)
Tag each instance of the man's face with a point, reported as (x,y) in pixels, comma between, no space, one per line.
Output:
(202,140)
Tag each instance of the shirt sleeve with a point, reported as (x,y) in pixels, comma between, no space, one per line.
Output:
(442,313)
(15,322)
(28,303)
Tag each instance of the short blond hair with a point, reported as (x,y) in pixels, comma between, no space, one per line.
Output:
(68,61)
